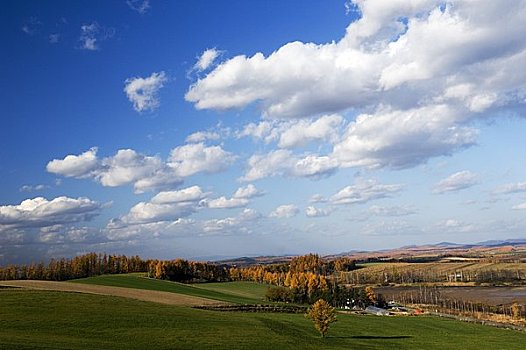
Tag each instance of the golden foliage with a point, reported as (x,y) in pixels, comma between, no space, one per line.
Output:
(322,315)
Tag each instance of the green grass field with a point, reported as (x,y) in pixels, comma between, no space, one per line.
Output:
(59,320)
(232,292)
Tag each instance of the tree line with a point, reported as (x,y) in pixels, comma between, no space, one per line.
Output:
(408,276)
(186,271)
(81,266)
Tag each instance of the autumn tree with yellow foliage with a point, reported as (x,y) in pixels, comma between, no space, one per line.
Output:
(322,315)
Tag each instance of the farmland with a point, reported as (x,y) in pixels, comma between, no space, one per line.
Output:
(487,295)
(31,319)
(442,272)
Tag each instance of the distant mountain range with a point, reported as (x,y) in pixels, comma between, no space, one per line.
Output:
(485,248)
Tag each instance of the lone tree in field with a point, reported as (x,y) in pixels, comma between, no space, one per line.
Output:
(322,314)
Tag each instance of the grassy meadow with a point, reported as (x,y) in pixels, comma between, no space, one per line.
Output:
(231,292)
(31,319)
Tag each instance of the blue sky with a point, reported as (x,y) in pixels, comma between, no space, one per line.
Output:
(207,129)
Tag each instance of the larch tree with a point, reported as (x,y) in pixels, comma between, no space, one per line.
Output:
(322,315)
(371,295)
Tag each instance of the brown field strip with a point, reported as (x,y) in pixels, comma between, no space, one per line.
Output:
(138,294)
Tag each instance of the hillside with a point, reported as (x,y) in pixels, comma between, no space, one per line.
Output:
(60,320)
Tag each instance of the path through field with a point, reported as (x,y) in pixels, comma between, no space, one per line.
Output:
(138,294)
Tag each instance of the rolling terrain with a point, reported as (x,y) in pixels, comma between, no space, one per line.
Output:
(40,319)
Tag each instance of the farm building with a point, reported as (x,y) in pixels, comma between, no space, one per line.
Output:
(376,311)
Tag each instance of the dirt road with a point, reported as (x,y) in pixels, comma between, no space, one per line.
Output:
(139,294)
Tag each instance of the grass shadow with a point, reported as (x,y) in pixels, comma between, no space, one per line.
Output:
(373,337)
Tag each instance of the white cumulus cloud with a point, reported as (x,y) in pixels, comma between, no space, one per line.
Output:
(285,211)
(202,136)
(146,173)
(364,191)
(165,206)
(75,166)
(190,159)
(285,163)
(40,212)
(247,192)
(402,138)
(417,72)
(227,203)
(313,212)
(189,194)
(143,92)
(302,132)
(206,59)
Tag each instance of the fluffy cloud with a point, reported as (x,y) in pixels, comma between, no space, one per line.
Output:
(206,60)
(296,133)
(285,211)
(285,163)
(227,203)
(168,211)
(40,212)
(247,192)
(145,172)
(418,73)
(304,131)
(58,234)
(127,166)
(143,92)
(271,164)
(317,198)
(239,199)
(190,159)
(75,166)
(379,53)
(456,182)
(145,212)
(190,194)
(164,206)
(402,139)
(202,136)
(264,130)
(364,191)
(313,212)
(240,224)
(161,179)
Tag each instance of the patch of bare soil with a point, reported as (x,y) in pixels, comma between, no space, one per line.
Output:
(138,294)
